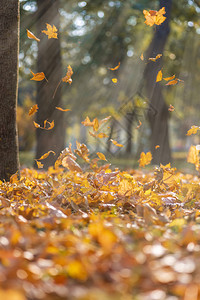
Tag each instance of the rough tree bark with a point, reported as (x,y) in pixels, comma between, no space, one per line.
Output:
(158,117)
(49,62)
(9,49)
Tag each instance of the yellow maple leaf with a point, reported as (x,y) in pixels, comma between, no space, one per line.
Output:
(159,76)
(51,31)
(145,159)
(154,17)
(30,35)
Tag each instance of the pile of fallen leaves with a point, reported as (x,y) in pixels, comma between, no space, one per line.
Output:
(99,234)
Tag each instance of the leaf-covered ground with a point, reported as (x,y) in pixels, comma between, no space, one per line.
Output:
(100,235)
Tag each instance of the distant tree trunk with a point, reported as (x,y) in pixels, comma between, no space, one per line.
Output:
(129,130)
(9,50)
(49,62)
(159,115)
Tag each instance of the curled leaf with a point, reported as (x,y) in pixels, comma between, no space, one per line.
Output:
(39,164)
(46,155)
(154,59)
(38,76)
(154,17)
(193,130)
(114,80)
(61,109)
(115,68)
(169,78)
(30,35)
(173,82)
(68,75)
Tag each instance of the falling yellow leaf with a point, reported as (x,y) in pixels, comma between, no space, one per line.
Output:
(51,125)
(101,156)
(173,82)
(95,124)
(38,76)
(51,31)
(154,59)
(145,159)
(193,130)
(33,110)
(115,68)
(30,35)
(39,164)
(46,155)
(139,125)
(116,143)
(171,108)
(87,122)
(193,156)
(61,109)
(159,76)
(68,75)
(142,56)
(157,146)
(154,17)
(169,78)
(114,80)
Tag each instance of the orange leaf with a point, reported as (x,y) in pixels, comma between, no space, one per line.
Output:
(193,130)
(46,155)
(169,78)
(171,108)
(71,164)
(173,82)
(157,146)
(145,159)
(100,135)
(51,31)
(30,35)
(68,75)
(33,110)
(82,151)
(36,125)
(159,76)
(115,68)
(142,56)
(39,164)
(140,124)
(155,58)
(38,76)
(51,125)
(61,109)
(101,156)
(87,122)
(114,80)
(116,143)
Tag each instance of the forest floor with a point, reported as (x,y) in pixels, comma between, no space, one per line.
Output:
(101,234)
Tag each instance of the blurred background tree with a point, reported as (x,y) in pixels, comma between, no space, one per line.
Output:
(96,35)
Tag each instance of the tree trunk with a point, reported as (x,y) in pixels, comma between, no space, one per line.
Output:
(9,37)
(49,62)
(158,114)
